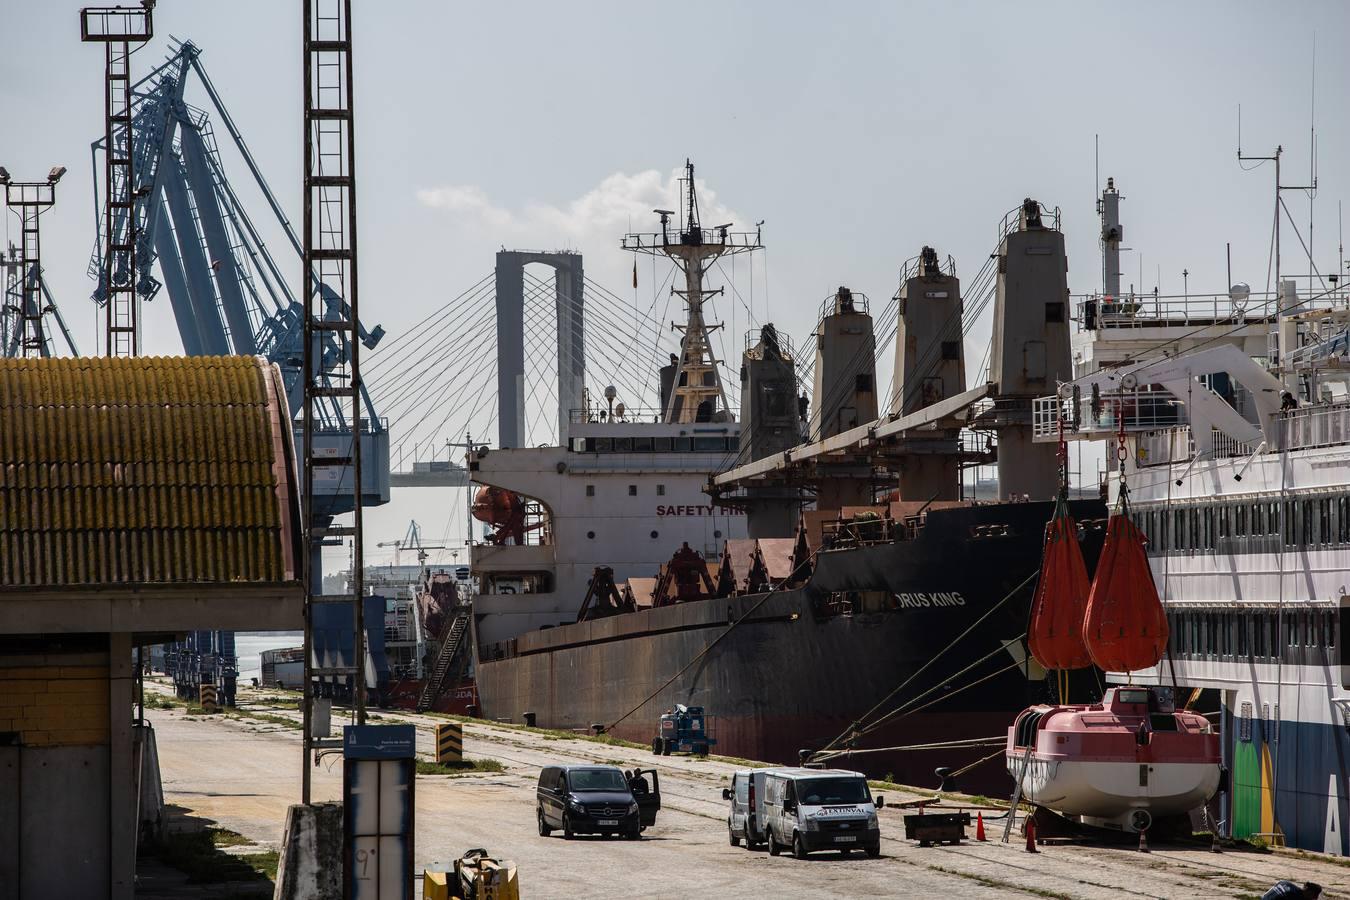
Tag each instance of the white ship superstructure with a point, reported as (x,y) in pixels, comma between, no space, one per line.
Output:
(1232,416)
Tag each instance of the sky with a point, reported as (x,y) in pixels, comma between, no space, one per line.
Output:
(858,132)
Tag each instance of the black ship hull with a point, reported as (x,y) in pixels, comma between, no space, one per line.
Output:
(938,614)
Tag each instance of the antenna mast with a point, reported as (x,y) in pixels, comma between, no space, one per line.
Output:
(696,394)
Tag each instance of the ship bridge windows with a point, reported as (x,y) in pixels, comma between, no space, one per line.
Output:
(674,444)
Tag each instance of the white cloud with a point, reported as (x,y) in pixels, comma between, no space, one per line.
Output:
(602,214)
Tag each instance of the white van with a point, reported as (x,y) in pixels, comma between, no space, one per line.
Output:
(745,816)
(820,809)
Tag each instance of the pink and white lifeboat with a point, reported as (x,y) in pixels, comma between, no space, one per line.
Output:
(1120,764)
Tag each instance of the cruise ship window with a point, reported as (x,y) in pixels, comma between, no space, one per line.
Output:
(642,444)
(632,490)
(662,444)
(1329,630)
(1241,515)
(1224,529)
(623,445)
(604,445)
(660,490)
(1324,521)
(1245,723)
(1342,521)
(1243,633)
(1207,528)
(590,490)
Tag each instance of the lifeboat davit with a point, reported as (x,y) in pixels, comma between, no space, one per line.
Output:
(1122,764)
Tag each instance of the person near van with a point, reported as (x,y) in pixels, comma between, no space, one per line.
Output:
(638,784)
(1287,890)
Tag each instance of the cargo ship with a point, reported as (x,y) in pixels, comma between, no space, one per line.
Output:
(806,569)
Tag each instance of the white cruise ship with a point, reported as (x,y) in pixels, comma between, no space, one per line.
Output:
(1229,419)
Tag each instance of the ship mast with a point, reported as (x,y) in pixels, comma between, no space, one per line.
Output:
(696,394)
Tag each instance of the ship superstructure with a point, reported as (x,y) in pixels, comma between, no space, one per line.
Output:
(1231,413)
(626,489)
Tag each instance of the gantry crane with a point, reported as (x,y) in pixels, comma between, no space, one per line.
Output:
(197,243)
(194,242)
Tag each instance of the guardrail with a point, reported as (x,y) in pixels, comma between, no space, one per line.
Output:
(1146,410)
(1322,425)
(1099,312)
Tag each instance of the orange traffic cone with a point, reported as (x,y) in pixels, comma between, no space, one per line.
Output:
(1031,833)
(1143,841)
(979,827)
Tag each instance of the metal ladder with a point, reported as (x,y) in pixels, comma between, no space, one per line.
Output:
(454,639)
(1017,795)
(330,258)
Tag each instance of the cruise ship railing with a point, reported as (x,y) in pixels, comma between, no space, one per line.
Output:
(1176,445)
(1321,425)
(1144,410)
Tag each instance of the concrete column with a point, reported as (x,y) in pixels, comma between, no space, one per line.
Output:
(121,775)
(569,285)
(510,349)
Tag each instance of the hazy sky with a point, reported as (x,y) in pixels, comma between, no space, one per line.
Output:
(858,131)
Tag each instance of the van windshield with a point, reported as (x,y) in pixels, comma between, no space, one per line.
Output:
(827,791)
(596,780)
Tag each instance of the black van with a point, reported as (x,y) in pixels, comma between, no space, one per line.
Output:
(592,800)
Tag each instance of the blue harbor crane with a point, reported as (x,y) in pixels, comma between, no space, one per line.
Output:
(197,245)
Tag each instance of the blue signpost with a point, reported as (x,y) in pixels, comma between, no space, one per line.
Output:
(379,769)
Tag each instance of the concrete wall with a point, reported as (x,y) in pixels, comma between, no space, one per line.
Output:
(54,775)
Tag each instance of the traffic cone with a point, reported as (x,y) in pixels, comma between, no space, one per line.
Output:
(1143,841)
(979,827)
(1031,833)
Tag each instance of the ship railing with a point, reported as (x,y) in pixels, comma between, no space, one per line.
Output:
(1319,425)
(786,348)
(695,237)
(620,415)
(1087,415)
(1012,220)
(913,267)
(1177,445)
(1100,312)
(858,304)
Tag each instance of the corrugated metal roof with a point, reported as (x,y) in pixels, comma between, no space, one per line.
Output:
(145,470)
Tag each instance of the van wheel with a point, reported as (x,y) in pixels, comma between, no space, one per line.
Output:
(798,847)
(874,851)
(774,849)
(731,836)
(656,746)
(567,828)
(701,749)
(544,830)
(634,835)
(665,748)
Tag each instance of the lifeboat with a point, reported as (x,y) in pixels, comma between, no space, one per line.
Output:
(1122,764)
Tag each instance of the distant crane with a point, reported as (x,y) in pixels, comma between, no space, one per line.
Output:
(412,540)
